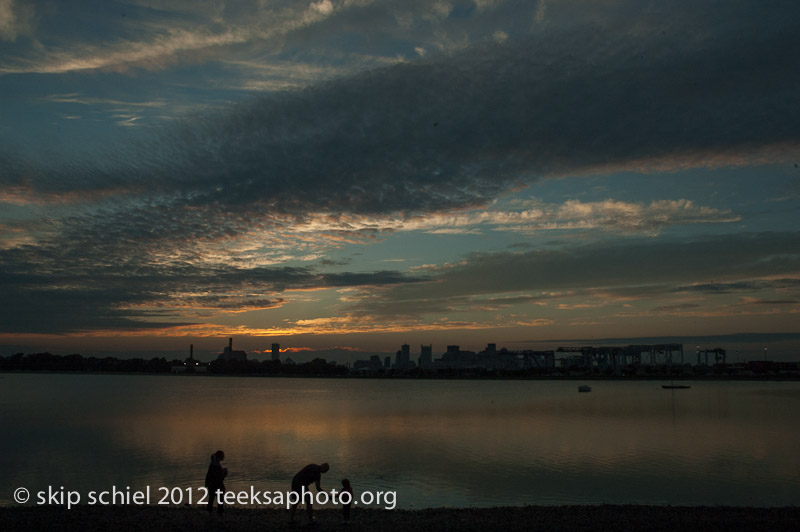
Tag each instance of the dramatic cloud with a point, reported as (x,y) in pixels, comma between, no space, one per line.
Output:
(130,294)
(387,119)
(15,19)
(743,286)
(452,132)
(157,43)
(457,130)
(615,270)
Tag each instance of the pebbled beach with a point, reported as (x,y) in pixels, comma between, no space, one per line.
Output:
(504,519)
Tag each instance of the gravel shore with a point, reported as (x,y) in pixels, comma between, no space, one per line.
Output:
(529,518)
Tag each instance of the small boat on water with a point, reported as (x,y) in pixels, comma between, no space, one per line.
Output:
(584,388)
(675,386)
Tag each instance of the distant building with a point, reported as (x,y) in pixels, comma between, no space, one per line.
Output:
(425,356)
(403,358)
(191,364)
(230,355)
(456,358)
(387,362)
(373,364)
(276,352)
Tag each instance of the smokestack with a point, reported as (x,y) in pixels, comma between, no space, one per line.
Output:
(230,344)
(191,350)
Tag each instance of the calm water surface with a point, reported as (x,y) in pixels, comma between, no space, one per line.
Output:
(436,443)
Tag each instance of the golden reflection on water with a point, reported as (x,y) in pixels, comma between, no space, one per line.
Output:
(470,441)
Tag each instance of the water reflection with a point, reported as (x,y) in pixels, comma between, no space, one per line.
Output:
(435,442)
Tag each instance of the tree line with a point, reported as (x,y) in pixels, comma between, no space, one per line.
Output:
(79,363)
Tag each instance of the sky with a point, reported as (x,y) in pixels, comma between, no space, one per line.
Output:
(351,175)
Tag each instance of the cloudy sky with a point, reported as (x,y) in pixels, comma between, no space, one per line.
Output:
(364,173)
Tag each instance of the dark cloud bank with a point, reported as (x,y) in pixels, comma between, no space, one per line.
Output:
(712,86)
(458,129)
(633,267)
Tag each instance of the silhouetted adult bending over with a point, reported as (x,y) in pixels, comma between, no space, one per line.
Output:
(214,481)
(310,474)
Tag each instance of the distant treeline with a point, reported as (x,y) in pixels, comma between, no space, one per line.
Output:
(50,362)
(319,367)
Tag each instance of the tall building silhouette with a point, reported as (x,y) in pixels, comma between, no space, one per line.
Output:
(403,357)
(425,356)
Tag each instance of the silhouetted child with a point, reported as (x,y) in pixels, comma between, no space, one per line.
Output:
(214,481)
(346,507)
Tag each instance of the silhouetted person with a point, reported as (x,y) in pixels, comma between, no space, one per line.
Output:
(346,507)
(310,474)
(214,481)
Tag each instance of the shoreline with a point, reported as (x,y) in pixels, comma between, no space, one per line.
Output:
(505,519)
(787,377)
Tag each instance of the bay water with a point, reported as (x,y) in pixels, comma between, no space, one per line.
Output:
(432,442)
